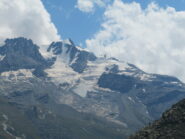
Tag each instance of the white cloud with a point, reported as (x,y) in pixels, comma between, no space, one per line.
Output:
(89,5)
(27,18)
(151,38)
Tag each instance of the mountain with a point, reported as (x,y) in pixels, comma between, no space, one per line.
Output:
(75,58)
(28,111)
(20,53)
(170,126)
(119,97)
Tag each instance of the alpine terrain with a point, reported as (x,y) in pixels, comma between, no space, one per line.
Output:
(170,126)
(62,91)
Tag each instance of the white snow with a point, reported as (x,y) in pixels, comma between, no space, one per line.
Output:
(2,43)
(89,78)
(67,99)
(144,90)
(131,99)
(67,41)
(126,73)
(5,116)
(74,60)
(147,112)
(117,122)
(82,49)
(2,57)
(64,56)
(5,126)
(44,52)
(146,77)
(18,74)
(60,72)
(174,82)
(82,89)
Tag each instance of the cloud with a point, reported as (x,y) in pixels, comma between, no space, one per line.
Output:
(27,18)
(151,38)
(89,5)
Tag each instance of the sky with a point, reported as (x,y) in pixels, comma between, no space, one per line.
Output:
(147,33)
(80,24)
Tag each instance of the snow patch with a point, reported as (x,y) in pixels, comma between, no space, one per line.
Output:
(18,74)
(67,99)
(144,90)
(2,57)
(147,112)
(2,43)
(146,77)
(131,99)
(174,82)
(74,60)
(60,72)
(67,41)
(5,117)
(5,126)
(45,53)
(64,56)
(82,49)
(89,78)
(83,87)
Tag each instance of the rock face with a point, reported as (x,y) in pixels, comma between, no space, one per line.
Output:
(21,53)
(157,93)
(113,81)
(77,59)
(170,126)
(104,97)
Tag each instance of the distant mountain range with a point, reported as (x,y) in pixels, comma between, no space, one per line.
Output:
(64,91)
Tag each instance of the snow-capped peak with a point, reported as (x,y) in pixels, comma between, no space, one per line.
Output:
(68,42)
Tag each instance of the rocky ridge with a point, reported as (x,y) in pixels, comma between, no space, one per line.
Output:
(170,126)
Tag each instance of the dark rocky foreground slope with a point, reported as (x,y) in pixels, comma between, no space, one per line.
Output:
(170,126)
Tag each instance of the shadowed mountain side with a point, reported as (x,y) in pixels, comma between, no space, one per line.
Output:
(170,126)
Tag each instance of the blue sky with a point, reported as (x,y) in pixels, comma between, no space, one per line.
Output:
(79,26)
(71,22)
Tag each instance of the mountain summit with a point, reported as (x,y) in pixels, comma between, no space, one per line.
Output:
(75,57)
(20,53)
